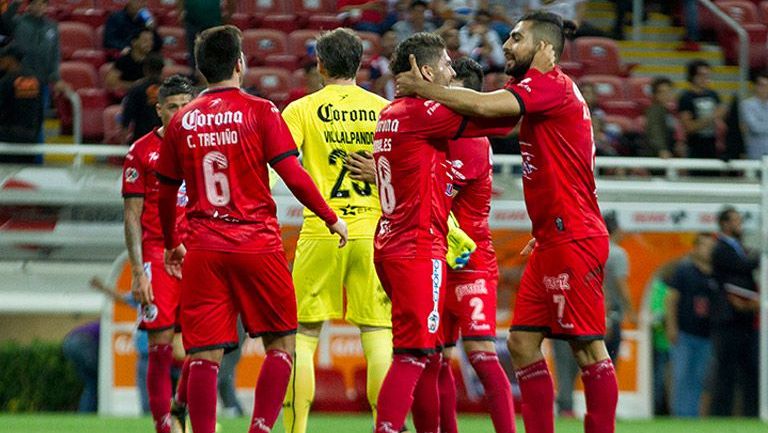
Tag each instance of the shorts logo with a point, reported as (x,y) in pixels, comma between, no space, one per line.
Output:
(470,289)
(131,175)
(433,320)
(557,283)
(149,313)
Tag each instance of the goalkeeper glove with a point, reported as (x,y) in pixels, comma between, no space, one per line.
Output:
(460,245)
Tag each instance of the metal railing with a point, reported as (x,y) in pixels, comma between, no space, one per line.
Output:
(77,116)
(743,44)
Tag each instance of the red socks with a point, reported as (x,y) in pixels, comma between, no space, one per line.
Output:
(396,394)
(498,392)
(426,397)
(159,385)
(538,395)
(201,395)
(602,393)
(270,390)
(447,386)
(181,387)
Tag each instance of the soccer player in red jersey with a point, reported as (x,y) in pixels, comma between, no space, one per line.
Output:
(470,303)
(158,292)
(232,257)
(561,293)
(415,188)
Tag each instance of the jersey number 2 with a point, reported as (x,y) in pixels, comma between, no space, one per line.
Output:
(336,191)
(216,182)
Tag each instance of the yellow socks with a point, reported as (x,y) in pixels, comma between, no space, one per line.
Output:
(301,388)
(377,346)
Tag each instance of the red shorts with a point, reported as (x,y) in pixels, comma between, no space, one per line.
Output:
(415,287)
(470,306)
(167,292)
(219,286)
(561,292)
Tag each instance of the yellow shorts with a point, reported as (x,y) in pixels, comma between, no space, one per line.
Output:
(321,272)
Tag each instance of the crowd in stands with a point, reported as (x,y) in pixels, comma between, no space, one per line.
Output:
(113,54)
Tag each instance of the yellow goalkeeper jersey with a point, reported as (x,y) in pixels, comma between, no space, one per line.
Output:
(327,126)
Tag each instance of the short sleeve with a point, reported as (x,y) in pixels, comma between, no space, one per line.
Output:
(537,93)
(168,165)
(275,136)
(292,118)
(441,122)
(134,175)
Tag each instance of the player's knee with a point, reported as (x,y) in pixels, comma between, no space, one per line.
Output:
(161,337)
(479,346)
(285,343)
(209,355)
(311,329)
(589,352)
(521,348)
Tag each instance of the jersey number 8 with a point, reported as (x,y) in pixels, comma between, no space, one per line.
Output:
(384,183)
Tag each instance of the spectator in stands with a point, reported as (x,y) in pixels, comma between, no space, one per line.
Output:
(616,288)
(313,82)
(81,347)
(700,110)
(589,93)
(123,24)
(198,15)
(416,21)
(129,67)
(139,105)
(21,106)
(504,15)
(687,322)
(452,41)
(660,122)
(569,10)
(754,118)
(734,327)
(367,15)
(734,135)
(7,10)
(383,82)
(481,43)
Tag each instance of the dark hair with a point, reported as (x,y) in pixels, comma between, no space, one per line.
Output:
(551,28)
(483,12)
(427,47)
(415,3)
(340,51)
(175,85)
(725,215)
(760,74)
(137,33)
(153,65)
(611,222)
(658,82)
(217,51)
(692,69)
(469,72)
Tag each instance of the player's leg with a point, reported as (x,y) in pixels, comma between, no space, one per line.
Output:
(273,380)
(426,396)
(600,386)
(370,309)
(317,276)
(447,386)
(415,287)
(498,392)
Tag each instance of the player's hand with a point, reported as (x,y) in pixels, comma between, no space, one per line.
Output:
(173,260)
(407,83)
(141,288)
(339,228)
(460,245)
(528,248)
(544,59)
(361,166)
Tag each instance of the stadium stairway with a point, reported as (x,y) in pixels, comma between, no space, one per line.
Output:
(657,52)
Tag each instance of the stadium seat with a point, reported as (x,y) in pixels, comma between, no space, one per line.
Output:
(607,87)
(258,44)
(639,89)
(268,80)
(371,43)
(91,16)
(573,69)
(94,102)
(112,127)
(312,7)
(94,57)
(263,7)
(74,36)
(301,43)
(169,18)
(494,81)
(600,56)
(99,37)
(283,22)
(71,4)
(111,5)
(174,40)
(79,75)
(742,11)
(624,123)
(324,22)
(624,107)
(331,393)
(757,34)
(284,61)
(169,70)
(763,7)
(242,21)
(103,70)
(161,7)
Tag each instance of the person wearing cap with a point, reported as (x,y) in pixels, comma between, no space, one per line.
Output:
(21,108)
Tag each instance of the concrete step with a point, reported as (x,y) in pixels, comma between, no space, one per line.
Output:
(677,72)
(678,58)
(652,33)
(601,5)
(605,19)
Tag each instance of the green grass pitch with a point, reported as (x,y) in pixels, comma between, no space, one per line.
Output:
(37,423)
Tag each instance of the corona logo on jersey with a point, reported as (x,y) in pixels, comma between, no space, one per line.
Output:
(327,113)
(557,283)
(194,119)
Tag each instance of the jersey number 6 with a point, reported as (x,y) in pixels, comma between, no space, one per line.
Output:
(216,183)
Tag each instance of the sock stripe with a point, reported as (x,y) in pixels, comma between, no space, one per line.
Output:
(293,400)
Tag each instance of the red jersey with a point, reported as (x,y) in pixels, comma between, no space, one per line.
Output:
(220,144)
(558,150)
(139,180)
(415,188)
(470,162)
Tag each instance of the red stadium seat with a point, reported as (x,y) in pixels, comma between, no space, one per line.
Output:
(161,7)
(283,22)
(284,61)
(263,7)
(639,90)
(324,22)
(312,7)
(763,7)
(92,17)
(622,108)
(331,393)
(242,21)
(258,44)
(268,80)
(757,34)
(111,5)
(742,11)
(607,87)
(94,102)
(74,36)
(301,43)
(573,69)
(71,4)
(112,127)
(599,56)
(170,18)
(79,75)
(99,37)
(371,43)
(169,70)
(174,40)
(626,124)
(94,57)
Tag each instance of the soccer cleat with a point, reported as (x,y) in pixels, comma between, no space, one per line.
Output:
(178,417)
(460,245)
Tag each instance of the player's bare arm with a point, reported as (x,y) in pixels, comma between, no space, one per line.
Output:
(141,288)
(361,167)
